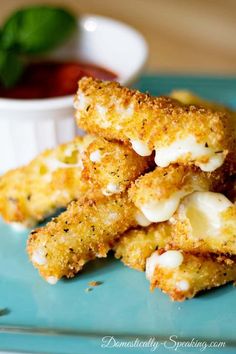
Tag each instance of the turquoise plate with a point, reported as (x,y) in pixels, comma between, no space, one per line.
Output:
(121,315)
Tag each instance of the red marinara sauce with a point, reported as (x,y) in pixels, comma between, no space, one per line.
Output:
(53,79)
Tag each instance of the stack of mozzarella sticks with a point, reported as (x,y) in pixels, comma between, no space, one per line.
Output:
(153,180)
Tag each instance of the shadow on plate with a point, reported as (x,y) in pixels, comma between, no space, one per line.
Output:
(215,292)
(95,268)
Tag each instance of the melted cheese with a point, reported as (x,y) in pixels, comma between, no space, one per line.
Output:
(141,219)
(183,285)
(60,194)
(52,280)
(118,127)
(102,111)
(151,264)
(95,156)
(110,189)
(214,162)
(124,112)
(81,102)
(157,211)
(203,209)
(189,147)
(111,217)
(38,257)
(168,259)
(54,164)
(80,146)
(140,148)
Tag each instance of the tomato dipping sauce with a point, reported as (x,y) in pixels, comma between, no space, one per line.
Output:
(53,79)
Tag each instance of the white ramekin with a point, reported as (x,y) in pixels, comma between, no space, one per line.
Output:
(29,126)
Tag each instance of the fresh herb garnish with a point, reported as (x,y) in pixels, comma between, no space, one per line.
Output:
(37,29)
(30,31)
(11,68)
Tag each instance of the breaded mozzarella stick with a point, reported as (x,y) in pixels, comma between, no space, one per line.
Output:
(88,165)
(29,194)
(179,274)
(86,230)
(182,275)
(189,98)
(177,133)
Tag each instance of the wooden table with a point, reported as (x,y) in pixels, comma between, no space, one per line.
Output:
(187,36)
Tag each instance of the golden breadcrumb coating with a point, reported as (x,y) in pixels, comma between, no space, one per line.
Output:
(183,275)
(177,132)
(157,194)
(29,194)
(86,230)
(189,98)
(162,183)
(204,222)
(68,172)
(135,246)
(110,167)
(179,274)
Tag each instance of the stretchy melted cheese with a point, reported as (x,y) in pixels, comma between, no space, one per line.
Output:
(205,222)
(158,194)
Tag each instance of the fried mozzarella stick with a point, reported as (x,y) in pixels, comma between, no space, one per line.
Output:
(177,133)
(157,194)
(204,222)
(86,230)
(189,98)
(87,165)
(29,194)
(179,274)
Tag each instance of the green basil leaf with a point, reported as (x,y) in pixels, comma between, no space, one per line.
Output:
(9,36)
(11,68)
(37,29)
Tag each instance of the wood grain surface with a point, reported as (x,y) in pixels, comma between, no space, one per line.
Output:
(185,36)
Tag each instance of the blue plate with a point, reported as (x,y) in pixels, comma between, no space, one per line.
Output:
(121,315)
